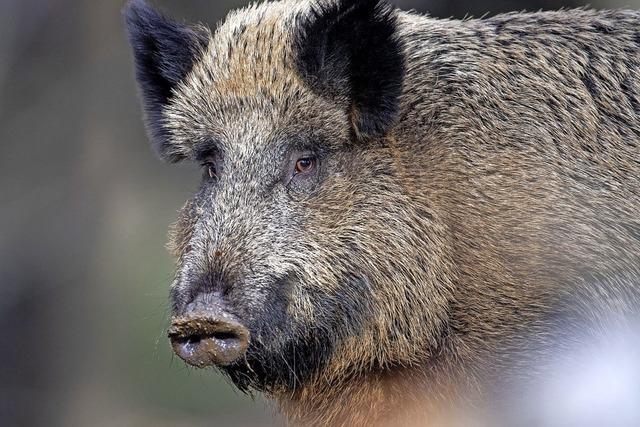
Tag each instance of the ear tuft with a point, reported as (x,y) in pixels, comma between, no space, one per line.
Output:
(164,52)
(349,48)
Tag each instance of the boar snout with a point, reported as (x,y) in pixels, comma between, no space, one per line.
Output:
(207,335)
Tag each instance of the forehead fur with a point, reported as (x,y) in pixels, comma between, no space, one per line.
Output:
(248,75)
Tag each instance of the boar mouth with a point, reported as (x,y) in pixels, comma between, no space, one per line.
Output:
(206,339)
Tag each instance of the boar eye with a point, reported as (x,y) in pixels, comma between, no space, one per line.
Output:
(305,165)
(210,171)
(303,168)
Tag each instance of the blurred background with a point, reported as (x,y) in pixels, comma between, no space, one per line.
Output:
(84,209)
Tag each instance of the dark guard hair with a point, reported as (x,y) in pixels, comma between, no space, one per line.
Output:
(349,49)
(164,53)
(296,363)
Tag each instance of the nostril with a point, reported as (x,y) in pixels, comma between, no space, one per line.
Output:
(196,339)
(204,339)
(193,339)
(224,336)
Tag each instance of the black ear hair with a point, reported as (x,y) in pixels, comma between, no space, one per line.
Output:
(349,48)
(164,52)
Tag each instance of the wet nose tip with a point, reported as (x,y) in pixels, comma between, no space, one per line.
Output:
(205,339)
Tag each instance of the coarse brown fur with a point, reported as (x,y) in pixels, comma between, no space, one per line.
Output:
(491,223)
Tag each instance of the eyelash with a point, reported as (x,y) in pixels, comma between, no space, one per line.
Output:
(210,170)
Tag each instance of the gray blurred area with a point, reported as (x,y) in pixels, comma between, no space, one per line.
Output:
(84,209)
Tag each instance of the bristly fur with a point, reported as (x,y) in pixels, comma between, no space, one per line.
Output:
(489,222)
(339,44)
(164,53)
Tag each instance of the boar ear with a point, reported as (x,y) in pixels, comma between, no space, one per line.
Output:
(164,52)
(349,48)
